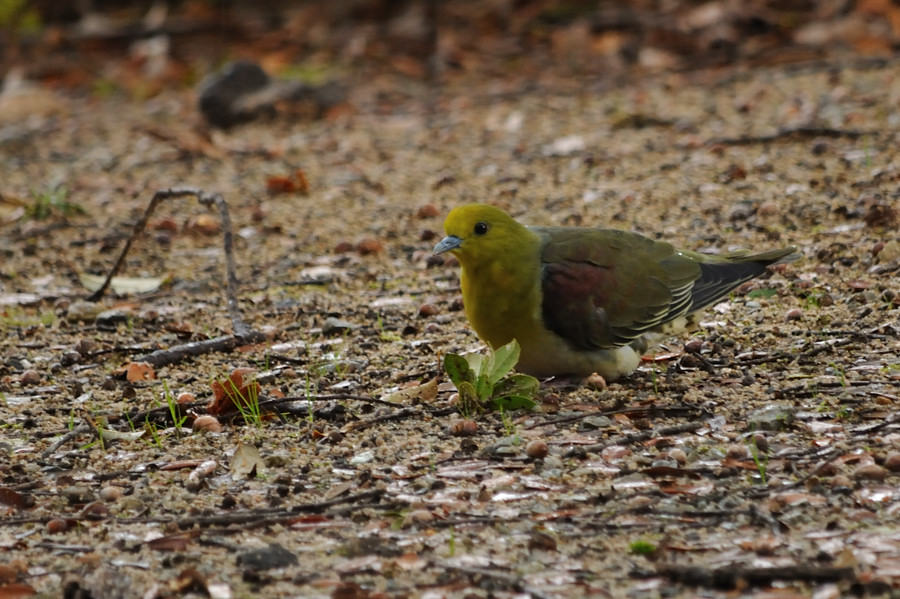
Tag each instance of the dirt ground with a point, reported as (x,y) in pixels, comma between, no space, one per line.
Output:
(764,461)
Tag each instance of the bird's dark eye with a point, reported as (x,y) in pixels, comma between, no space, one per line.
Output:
(481,228)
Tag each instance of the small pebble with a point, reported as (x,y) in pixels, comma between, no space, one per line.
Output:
(738,452)
(767,209)
(83,311)
(841,480)
(614,453)
(336,326)
(693,346)
(596,381)
(537,450)
(57,525)
(30,377)
(95,510)
(426,310)
(793,314)
(678,455)
(892,461)
(368,246)
(110,493)
(464,427)
(70,357)
(417,517)
(761,442)
(870,472)
(78,494)
(427,211)
(207,424)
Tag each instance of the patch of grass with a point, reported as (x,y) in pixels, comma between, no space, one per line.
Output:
(178,419)
(54,201)
(247,403)
(484,382)
(386,335)
(18,317)
(844,413)
(642,547)
(509,426)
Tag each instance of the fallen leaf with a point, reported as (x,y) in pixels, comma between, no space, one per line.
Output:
(12,497)
(122,285)
(246,462)
(139,371)
(426,392)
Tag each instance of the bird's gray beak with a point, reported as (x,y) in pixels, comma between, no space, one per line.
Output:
(451,242)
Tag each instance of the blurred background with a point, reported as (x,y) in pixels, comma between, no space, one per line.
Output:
(138,48)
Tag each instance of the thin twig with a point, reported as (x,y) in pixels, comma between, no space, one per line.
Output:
(177,353)
(732,576)
(69,436)
(207,199)
(805,131)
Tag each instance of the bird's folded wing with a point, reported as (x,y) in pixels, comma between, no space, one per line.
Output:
(605,288)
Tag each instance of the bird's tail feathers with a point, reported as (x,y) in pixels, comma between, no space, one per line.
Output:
(719,278)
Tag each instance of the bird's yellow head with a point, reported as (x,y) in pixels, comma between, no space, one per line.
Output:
(478,233)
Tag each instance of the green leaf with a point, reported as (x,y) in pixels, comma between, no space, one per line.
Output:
(484,388)
(512,402)
(518,384)
(476,362)
(458,369)
(505,358)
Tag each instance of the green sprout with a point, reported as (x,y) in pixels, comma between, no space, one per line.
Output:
(54,201)
(484,382)
(174,410)
(760,461)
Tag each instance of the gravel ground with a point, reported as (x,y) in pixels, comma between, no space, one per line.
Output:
(758,457)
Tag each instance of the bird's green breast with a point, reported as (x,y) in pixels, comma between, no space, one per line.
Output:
(502,295)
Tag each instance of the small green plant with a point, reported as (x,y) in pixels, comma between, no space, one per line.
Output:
(386,335)
(451,542)
(760,461)
(151,428)
(178,418)
(247,402)
(484,382)
(509,426)
(54,201)
(844,413)
(813,300)
(839,370)
(642,547)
